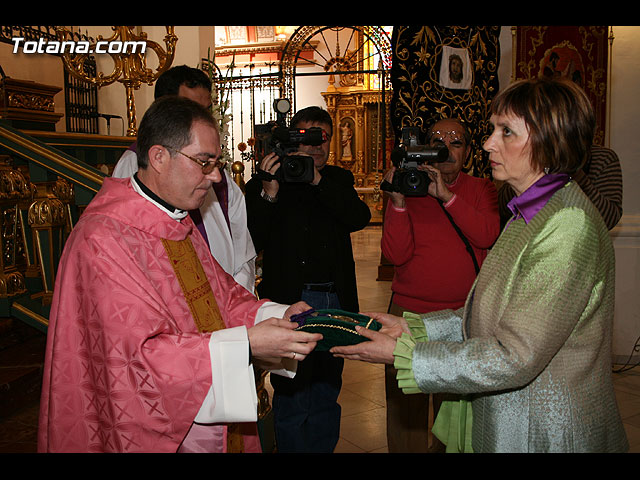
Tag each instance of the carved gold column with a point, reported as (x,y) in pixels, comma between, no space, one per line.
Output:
(130,65)
(14,190)
(49,222)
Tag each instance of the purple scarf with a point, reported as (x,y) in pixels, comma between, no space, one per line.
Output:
(536,196)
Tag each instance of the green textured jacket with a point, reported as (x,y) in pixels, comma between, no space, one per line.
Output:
(532,345)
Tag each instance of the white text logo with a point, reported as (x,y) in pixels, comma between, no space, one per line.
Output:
(68,46)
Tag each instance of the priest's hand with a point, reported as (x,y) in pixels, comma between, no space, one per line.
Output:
(276,337)
(381,344)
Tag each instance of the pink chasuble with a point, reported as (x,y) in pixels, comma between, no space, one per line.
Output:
(126,369)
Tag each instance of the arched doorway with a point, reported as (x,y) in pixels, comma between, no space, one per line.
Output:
(355,61)
(339,49)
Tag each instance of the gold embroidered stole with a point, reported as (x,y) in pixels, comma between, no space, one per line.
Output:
(202,303)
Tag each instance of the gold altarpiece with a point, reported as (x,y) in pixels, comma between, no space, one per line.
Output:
(357,142)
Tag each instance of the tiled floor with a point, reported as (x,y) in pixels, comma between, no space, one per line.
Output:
(363,427)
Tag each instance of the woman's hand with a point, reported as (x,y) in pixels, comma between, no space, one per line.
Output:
(381,344)
(391,325)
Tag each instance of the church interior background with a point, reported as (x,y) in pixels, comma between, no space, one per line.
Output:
(65,119)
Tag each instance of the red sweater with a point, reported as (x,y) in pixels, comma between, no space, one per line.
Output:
(433,269)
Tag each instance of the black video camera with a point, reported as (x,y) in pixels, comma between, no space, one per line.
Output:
(283,141)
(407,179)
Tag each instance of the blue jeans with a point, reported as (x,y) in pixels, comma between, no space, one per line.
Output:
(305,408)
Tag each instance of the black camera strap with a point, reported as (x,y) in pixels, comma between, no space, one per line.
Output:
(461,235)
(263,175)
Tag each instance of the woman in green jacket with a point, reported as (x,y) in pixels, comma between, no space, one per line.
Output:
(531,348)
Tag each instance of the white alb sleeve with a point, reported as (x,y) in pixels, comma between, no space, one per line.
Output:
(232,397)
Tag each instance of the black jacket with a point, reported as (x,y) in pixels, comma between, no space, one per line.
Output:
(305,236)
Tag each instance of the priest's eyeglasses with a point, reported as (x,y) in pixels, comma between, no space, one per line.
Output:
(207,165)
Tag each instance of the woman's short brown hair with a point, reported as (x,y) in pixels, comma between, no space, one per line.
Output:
(559,117)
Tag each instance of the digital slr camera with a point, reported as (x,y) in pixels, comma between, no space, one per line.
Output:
(276,137)
(407,179)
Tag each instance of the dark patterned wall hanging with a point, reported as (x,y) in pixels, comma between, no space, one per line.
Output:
(576,52)
(446,72)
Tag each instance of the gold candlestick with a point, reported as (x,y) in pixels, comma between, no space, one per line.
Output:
(130,65)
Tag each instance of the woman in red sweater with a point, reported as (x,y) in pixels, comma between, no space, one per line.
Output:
(433,269)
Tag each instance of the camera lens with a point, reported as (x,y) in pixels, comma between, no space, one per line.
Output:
(297,169)
(413,180)
(294,168)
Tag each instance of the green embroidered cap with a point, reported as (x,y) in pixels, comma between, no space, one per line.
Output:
(338,327)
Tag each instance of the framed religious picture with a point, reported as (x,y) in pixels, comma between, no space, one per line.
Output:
(455,70)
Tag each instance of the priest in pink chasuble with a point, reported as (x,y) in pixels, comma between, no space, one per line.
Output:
(151,343)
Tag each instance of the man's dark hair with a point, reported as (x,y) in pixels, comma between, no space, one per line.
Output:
(312,114)
(168,122)
(170,81)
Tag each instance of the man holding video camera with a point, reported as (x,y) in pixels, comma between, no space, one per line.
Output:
(437,230)
(303,229)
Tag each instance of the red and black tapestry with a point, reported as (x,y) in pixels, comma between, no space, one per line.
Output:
(576,52)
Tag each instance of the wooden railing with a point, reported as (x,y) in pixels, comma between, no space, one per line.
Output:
(46,179)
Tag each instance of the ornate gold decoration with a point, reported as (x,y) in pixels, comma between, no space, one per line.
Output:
(31,102)
(345,63)
(237,171)
(264,405)
(47,212)
(24,100)
(130,68)
(14,192)
(49,219)
(13,185)
(12,283)
(63,190)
